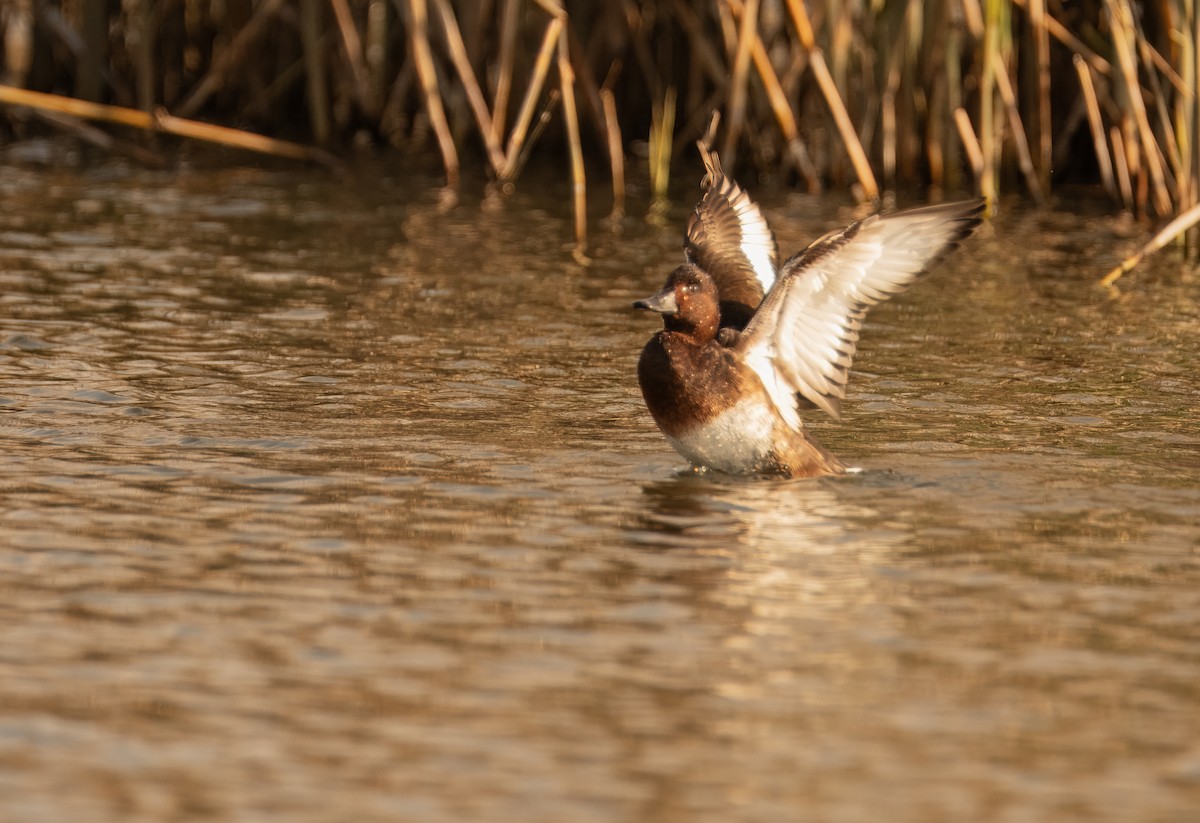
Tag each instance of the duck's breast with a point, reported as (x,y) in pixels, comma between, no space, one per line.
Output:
(737,439)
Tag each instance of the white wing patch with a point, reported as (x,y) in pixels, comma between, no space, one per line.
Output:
(758,241)
(803,337)
(729,238)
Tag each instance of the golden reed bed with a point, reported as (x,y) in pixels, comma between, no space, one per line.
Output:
(981,95)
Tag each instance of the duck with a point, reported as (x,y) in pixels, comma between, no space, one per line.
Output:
(748,344)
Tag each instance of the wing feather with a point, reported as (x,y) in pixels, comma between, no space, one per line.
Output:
(802,340)
(728,237)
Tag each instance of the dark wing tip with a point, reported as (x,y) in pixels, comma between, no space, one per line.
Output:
(712,165)
(970,215)
(963,216)
(966,214)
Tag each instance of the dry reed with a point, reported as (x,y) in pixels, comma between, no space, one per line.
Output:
(986,93)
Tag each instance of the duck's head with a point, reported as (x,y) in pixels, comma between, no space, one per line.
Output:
(688,303)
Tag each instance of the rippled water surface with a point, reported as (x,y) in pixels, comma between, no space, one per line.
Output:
(325,500)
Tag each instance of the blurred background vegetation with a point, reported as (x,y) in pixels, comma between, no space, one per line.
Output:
(871,95)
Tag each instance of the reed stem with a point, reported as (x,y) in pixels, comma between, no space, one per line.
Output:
(466,74)
(737,86)
(616,154)
(578,181)
(841,117)
(1092,104)
(540,68)
(423,56)
(314,70)
(1168,233)
(160,121)
(1121,20)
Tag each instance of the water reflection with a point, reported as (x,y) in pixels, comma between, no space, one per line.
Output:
(787,548)
(745,512)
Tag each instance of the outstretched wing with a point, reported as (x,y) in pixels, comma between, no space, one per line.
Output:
(802,339)
(728,237)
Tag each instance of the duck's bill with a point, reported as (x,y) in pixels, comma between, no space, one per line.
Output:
(663,303)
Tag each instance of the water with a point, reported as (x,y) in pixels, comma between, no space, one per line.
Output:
(330,500)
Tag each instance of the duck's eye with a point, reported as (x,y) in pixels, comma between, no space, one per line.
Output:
(692,288)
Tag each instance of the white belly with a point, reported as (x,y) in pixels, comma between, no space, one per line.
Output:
(738,440)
